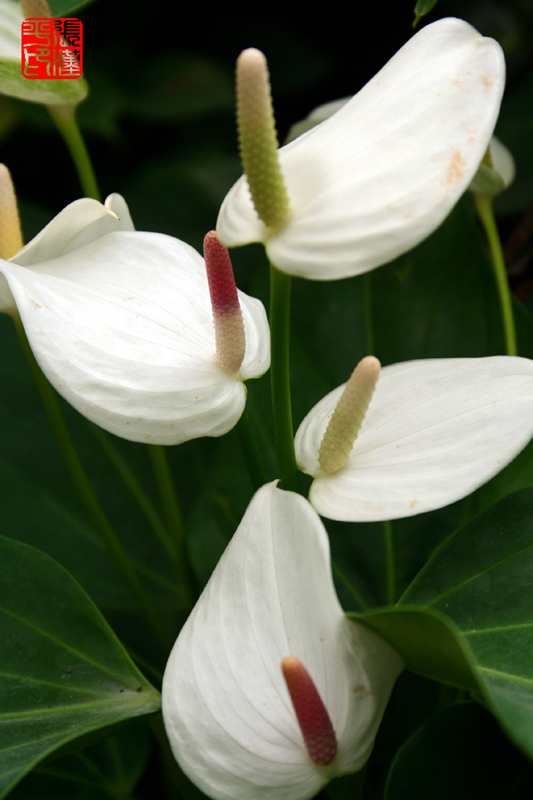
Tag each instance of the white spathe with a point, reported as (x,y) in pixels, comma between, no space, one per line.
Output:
(382,173)
(434,431)
(121,324)
(227,710)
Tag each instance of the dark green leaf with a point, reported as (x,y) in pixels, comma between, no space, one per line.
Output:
(63,672)
(459,753)
(478,585)
(429,643)
(515,128)
(439,300)
(110,768)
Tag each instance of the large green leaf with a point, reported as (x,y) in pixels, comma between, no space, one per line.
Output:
(63,671)
(111,769)
(459,753)
(467,618)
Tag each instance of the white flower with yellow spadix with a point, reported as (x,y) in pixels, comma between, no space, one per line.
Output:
(270,690)
(416,436)
(378,176)
(127,325)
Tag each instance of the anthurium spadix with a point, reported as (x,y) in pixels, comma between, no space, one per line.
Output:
(270,690)
(121,323)
(382,173)
(414,436)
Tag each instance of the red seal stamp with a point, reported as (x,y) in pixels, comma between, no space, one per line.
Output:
(52,47)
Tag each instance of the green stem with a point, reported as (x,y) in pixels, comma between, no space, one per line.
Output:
(65,120)
(174,520)
(250,451)
(280,303)
(96,513)
(389,558)
(486,215)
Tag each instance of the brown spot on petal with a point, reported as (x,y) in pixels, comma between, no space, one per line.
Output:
(456,169)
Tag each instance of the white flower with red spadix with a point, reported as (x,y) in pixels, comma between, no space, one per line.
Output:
(121,322)
(270,690)
(416,436)
(382,173)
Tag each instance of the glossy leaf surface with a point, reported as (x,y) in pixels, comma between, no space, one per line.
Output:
(82,680)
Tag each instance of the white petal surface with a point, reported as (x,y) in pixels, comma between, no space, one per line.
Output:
(79,223)
(226,707)
(122,327)
(434,432)
(380,175)
(76,225)
(11,18)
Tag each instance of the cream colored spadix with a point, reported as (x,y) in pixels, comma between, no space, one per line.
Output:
(382,173)
(35,8)
(348,416)
(121,324)
(258,142)
(434,431)
(10,231)
(227,709)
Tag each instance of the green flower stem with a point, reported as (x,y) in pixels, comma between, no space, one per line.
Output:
(280,303)
(65,120)
(174,520)
(96,513)
(486,215)
(389,558)
(250,451)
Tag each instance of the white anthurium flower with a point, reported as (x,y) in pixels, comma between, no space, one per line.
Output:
(121,323)
(434,432)
(382,173)
(50,91)
(270,690)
